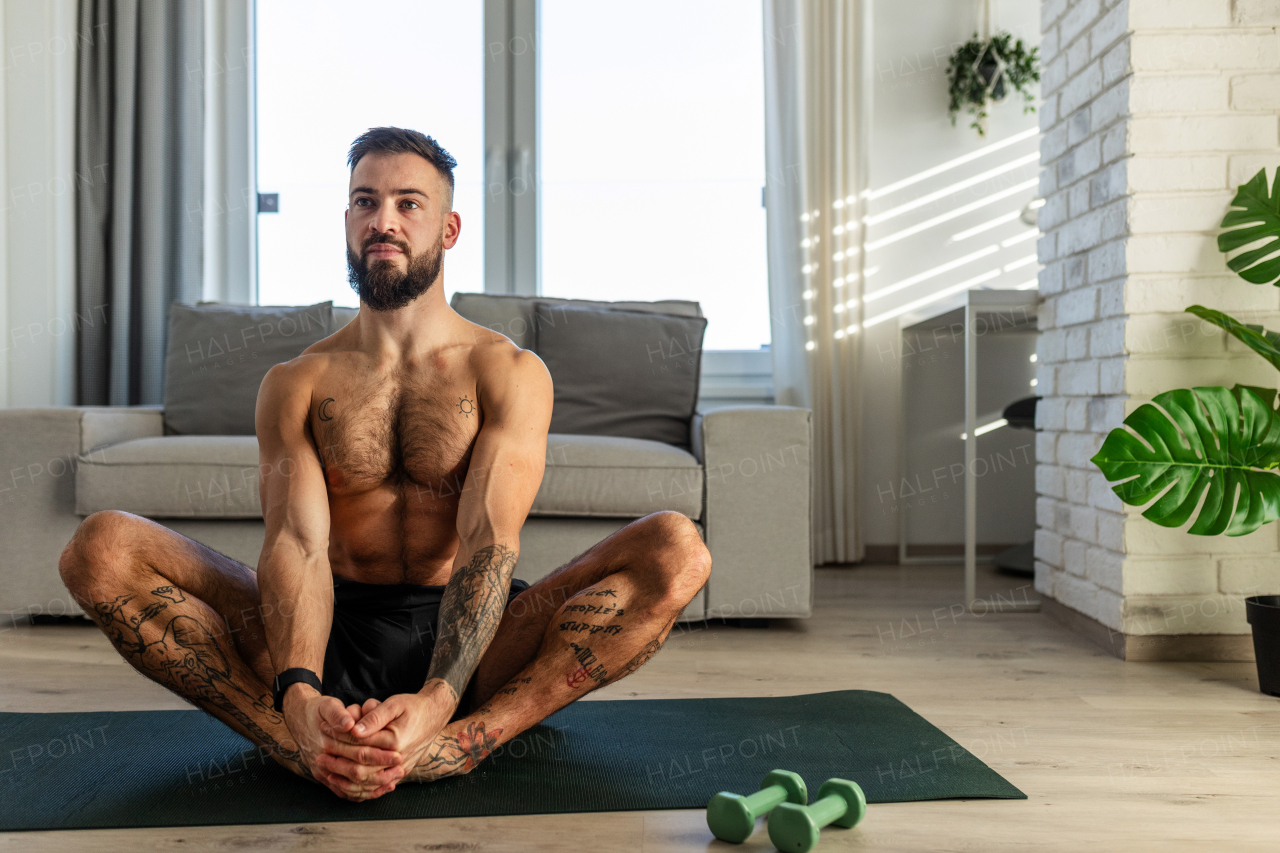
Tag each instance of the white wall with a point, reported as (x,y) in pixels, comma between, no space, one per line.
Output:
(37,232)
(912,134)
(1155,111)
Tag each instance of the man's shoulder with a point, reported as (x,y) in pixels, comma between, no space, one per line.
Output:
(481,339)
(294,379)
(502,369)
(495,356)
(299,370)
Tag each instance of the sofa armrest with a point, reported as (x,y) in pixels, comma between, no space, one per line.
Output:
(102,427)
(757,510)
(39,450)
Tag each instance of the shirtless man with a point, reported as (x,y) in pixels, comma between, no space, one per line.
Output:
(380,582)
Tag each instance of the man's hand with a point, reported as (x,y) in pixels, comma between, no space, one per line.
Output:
(322,728)
(406,723)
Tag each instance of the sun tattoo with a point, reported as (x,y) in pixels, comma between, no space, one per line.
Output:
(466,406)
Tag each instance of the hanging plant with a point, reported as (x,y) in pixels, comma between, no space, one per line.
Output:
(984,71)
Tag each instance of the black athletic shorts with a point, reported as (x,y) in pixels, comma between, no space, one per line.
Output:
(382,639)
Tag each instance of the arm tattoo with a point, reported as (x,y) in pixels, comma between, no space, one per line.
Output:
(472,605)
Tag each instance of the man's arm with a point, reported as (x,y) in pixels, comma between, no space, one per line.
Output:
(293,571)
(505,472)
(296,582)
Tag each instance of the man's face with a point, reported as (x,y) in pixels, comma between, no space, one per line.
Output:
(398,227)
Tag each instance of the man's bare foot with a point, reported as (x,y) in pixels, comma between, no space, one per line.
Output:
(457,750)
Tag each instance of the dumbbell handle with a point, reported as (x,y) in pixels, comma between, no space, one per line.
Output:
(795,828)
(765,799)
(827,809)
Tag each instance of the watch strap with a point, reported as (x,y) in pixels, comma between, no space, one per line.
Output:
(289,677)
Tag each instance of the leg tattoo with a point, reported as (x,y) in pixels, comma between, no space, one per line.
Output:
(643,657)
(457,750)
(187,659)
(558,676)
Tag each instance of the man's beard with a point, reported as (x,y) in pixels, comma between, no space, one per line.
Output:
(383,287)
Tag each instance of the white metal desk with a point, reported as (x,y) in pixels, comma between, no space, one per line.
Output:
(980,302)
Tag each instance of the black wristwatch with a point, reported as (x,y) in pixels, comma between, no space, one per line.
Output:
(292,676)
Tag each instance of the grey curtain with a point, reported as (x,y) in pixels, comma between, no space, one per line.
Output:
(815,155)
(140,158)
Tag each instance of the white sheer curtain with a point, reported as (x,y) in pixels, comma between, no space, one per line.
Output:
(815,156)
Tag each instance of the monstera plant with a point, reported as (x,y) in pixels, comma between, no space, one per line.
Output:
(1219,444)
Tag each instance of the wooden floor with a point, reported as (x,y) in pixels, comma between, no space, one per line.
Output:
(1113,755)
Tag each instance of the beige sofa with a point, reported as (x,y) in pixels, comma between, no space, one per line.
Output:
(745,479)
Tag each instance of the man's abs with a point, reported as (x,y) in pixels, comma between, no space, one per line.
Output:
(392,536)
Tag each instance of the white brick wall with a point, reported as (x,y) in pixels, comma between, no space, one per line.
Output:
(1155,110)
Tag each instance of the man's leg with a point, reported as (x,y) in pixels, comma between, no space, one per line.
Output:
(183,615)
(591,622)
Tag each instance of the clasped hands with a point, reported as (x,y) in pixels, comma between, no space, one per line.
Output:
(361,752)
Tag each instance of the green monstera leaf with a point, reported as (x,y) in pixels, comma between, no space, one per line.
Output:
(1255,216)
(1256,338)
(1212,442)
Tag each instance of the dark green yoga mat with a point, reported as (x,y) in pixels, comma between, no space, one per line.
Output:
(183,768)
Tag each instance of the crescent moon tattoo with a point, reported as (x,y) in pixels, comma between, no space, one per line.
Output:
(324,410)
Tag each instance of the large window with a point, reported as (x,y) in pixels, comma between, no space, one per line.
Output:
(327,70)
(652,150)
(650,126)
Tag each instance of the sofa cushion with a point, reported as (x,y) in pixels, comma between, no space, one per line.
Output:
(621,373)
(216,476)
(218,354)
(342,316)
(174,476)
(597,475)
(513,316)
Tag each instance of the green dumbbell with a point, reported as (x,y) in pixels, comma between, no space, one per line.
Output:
(794,828)
(732,817)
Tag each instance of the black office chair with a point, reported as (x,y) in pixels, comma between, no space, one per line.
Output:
(1020,560)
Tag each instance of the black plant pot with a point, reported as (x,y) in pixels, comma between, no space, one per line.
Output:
(987,69)
(1263,613)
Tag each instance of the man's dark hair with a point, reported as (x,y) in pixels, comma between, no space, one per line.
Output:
(399,140)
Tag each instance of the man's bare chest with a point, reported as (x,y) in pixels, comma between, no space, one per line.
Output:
(407,434)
